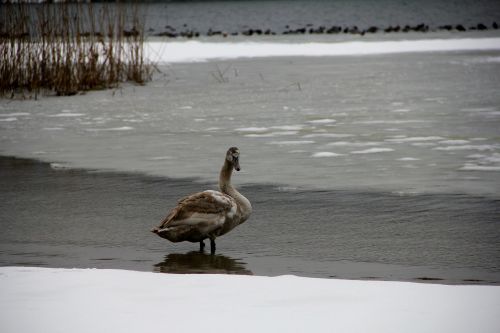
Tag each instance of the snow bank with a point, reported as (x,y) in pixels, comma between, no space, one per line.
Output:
(193,51)
(80,300)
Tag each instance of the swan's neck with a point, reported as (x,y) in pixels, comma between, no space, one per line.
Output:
(227,188)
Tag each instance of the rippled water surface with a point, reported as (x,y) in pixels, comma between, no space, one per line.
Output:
(74,218)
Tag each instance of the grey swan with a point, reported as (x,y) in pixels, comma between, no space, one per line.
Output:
(208,214)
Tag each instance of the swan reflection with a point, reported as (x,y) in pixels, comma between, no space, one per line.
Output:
(200,263)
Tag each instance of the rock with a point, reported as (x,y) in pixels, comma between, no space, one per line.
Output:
(495,25)
(460,27)
(481,26)
(372,30)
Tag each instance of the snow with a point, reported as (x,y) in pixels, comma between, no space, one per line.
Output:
(90,300)
(195,51)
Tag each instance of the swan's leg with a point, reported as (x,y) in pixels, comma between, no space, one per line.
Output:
(202,246)
(212,246)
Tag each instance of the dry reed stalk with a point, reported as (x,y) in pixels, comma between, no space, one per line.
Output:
(67,47)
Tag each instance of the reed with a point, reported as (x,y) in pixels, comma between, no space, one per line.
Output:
(69,47)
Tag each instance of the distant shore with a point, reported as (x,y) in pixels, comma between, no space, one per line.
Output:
(311,29)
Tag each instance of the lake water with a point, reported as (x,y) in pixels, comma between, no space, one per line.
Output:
(381,166)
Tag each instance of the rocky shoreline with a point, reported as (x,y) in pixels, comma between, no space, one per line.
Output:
(172,32)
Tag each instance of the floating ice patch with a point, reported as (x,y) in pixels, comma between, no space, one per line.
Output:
(375,122)
(476,167)
(372,151)
(160,158)
(264,135)
(408,159)
(325,154)
(322,121)
(112,129)
(354,144)
(199,119)
(414,139)
(15,114)
(327,135)
(185,107)
(252,129)
(401,110)
(66,115)
(288,127)
(53,128)
(467,147)
(8,119)
(454,142)
(298,142)
(423,144)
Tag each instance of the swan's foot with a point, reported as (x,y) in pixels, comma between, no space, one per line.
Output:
(202,246)
(212,246)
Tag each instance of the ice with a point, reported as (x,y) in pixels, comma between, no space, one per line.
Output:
(112,129)
(353,144)
(328,135)
(288,127)
(408,159)
(291,142)
(92,300)
(252,129)
(467,147)
(325,154)
(372,151)
(476,167)
(8,119)
(322,121)
(415,139)
(454,142)
(196,51)
(15,114)
(66,115)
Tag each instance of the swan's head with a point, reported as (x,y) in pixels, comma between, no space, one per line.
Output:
(233,157)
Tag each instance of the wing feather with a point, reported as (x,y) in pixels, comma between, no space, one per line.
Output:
(207,203)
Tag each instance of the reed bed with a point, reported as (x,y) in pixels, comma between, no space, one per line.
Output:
(65,48)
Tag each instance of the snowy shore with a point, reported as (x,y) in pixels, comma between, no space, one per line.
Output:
(90,300)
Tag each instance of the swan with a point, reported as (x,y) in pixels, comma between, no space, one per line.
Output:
(208,214)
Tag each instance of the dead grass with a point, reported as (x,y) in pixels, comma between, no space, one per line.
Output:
(66,48)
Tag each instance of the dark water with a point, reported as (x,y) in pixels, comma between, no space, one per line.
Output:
(236,16)
(77,218)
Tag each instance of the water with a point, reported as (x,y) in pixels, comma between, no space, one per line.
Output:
(365,167)
(410,123)
(279,16)
(76,218)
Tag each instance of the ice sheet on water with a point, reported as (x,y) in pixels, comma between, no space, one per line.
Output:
(328,135)
(288,127)
(467,147)
(408,159)
(291,142)
(372,151)
(414,139)
(354,144)
(252,129)
(8,119)
(454,142)
(15,114)
(111,129)
(66,115)
(476,167)
(326,154)
(322,121)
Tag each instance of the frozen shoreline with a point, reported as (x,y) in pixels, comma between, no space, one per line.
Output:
(80,300)
(196,51)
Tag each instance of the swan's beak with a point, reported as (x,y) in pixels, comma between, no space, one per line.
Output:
(237,164)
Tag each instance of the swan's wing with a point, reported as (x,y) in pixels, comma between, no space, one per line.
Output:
(208,208)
